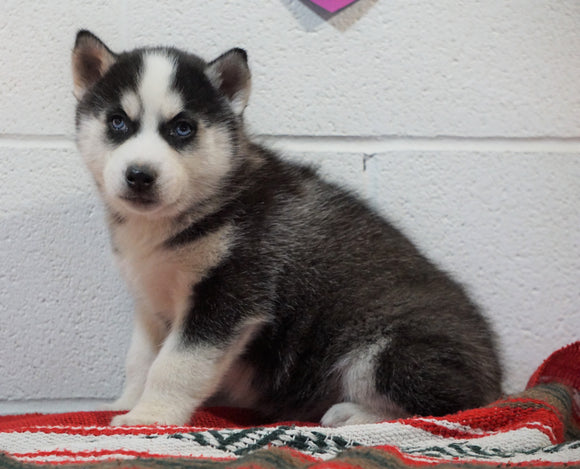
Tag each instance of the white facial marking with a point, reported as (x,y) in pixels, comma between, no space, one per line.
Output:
(131,104)
(90,136)
(171,107)
(160,102)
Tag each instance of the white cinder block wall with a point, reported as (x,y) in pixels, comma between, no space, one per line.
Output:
(460,120)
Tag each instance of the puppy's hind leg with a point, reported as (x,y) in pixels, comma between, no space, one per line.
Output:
(363,403)
(438,374)
(352,413)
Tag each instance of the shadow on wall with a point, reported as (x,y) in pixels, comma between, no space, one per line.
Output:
(311,17)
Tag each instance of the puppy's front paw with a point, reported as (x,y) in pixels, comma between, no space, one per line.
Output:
(151,415)
(129,420)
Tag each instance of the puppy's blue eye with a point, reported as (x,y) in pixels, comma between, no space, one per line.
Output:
(182,129)
(118,123)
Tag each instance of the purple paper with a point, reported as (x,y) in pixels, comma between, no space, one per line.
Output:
(332,5)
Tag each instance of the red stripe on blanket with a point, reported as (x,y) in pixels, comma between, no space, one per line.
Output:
(562,366)
(99,454)
(98,422)
(478,423)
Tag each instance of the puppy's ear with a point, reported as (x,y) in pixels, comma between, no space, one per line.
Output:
(91,58)
(231,75)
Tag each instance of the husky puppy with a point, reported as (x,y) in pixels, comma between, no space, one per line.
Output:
(256,282)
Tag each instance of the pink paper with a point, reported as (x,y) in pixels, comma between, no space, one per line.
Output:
(332,5)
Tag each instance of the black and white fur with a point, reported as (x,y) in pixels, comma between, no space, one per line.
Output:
(256,283)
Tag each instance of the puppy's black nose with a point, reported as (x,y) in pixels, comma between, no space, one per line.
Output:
(140,178)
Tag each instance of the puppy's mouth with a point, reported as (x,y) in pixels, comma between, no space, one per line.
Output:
(141,201)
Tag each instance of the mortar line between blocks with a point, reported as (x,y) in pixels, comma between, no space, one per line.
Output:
(49,405)
(374,145)
(36,141)
(365,145)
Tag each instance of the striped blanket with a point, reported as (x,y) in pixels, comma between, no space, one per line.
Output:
(539,427)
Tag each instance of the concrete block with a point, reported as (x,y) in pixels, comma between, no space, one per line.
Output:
(38,37)
(65,313)
(506,225)
(402,68)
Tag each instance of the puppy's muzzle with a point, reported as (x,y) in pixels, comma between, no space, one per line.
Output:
(140,179)
(140,182)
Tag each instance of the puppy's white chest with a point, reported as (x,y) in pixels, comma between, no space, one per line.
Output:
(164,283)
(162,278)
(160,281)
